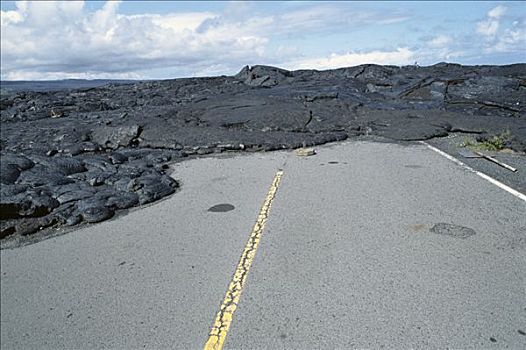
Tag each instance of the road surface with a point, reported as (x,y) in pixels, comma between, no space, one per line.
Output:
(366,245)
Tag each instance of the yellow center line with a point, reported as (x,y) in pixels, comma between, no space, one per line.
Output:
(217,335)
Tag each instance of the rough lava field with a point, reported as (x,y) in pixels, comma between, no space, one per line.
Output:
(75,156)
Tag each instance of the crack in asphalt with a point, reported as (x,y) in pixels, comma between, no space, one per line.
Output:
(225,315)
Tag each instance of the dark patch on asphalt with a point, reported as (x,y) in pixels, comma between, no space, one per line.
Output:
(452,230)
(333,162)
(412,166)
(219,179)
(221,208)
(417,227)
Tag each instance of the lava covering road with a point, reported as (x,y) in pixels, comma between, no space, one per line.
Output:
(75,156)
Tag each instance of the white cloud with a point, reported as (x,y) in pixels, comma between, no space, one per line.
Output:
(10,17)
(53,39)
(328,16)
(501,36)
(286,51)
(180,22)
(401,56)
(309,18)
(490,25)
(61,39)
(497,12)
(513,39)
(37,75)
(440,41)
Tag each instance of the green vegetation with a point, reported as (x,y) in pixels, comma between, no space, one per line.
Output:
(494,143)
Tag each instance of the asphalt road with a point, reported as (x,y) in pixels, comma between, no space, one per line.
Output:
(348,259)
(517,180)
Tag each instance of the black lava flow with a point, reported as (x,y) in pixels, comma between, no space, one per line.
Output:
(75,156)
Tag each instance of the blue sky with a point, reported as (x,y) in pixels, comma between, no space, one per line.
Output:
(165,39)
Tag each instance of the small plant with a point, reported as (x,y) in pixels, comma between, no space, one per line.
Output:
(468,142)
(494,143)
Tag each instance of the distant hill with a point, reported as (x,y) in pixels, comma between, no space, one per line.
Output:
(10,86)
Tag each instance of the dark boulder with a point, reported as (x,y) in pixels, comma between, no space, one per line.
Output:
(122,200)
(9,173)
(42,175)
(115,137)
(118,158)
(152,187)
(264,76)
(94,211)
(32,225)
(68,166)
(20,161)
(26,205)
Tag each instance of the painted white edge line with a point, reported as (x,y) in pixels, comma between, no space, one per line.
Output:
(482,175)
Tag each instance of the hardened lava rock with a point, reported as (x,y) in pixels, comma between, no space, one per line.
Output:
(80,155)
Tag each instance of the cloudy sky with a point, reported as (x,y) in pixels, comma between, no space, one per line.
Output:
(134,39)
